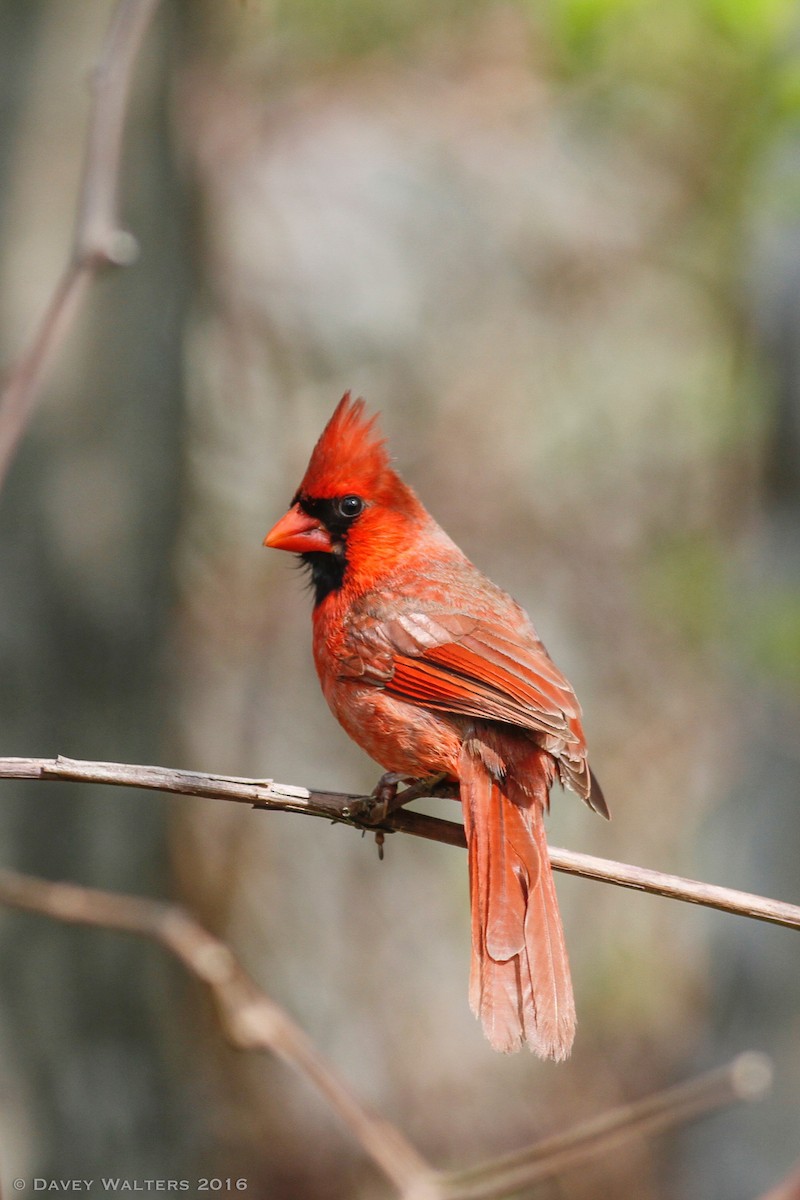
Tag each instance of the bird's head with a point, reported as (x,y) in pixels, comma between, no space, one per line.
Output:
(352,515)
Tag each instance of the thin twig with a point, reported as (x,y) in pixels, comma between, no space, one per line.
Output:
(746,1078)
(354,810)
(249,1018)
(98,241)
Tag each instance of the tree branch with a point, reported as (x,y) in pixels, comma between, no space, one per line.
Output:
(747,1078)
(98,241)
(252,1021)
(249,1018)
(355,810)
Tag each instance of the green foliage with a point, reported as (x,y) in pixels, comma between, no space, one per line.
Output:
(773,635)
(350,28)
(684,587)
(592,29)
(729,69)
(587,29)
(753,22)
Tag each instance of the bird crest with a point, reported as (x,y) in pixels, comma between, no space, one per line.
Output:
(350,455)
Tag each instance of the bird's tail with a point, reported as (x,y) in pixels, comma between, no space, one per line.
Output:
(520,985)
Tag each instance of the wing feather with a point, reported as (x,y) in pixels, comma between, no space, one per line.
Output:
(468,666)
(474,667)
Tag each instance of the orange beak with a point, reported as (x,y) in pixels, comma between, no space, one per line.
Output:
(298,532)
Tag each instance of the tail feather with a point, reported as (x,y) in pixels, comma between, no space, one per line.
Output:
(504,933)
(554,1022)
(520,984)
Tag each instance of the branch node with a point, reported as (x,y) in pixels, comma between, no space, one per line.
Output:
(751,1075)
(98,242)
(256,1023)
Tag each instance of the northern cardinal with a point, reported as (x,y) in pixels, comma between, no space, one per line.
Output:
(434,670)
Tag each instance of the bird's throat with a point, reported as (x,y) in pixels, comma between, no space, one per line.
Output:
(326,572)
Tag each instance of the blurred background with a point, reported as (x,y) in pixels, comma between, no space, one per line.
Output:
(557,245)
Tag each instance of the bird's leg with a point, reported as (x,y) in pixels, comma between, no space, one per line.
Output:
(383,798)
(386,797)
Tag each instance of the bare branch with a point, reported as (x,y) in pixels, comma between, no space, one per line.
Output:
(98,241)
(355,810)
(249,1018)
(746,1078)
(98,237)
(675,887)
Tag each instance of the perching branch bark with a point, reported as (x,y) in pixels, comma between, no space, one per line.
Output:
(358,811)
(98,240)
(252,1021)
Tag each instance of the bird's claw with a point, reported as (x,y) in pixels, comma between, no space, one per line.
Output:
(386,798)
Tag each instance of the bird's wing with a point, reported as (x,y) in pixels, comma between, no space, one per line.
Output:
(455,663)
(461,664)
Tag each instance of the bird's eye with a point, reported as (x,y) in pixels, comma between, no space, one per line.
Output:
(350,506)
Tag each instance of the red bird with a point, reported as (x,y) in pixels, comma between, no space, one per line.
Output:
(434,670)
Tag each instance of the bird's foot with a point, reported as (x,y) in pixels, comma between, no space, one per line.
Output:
(386,798)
